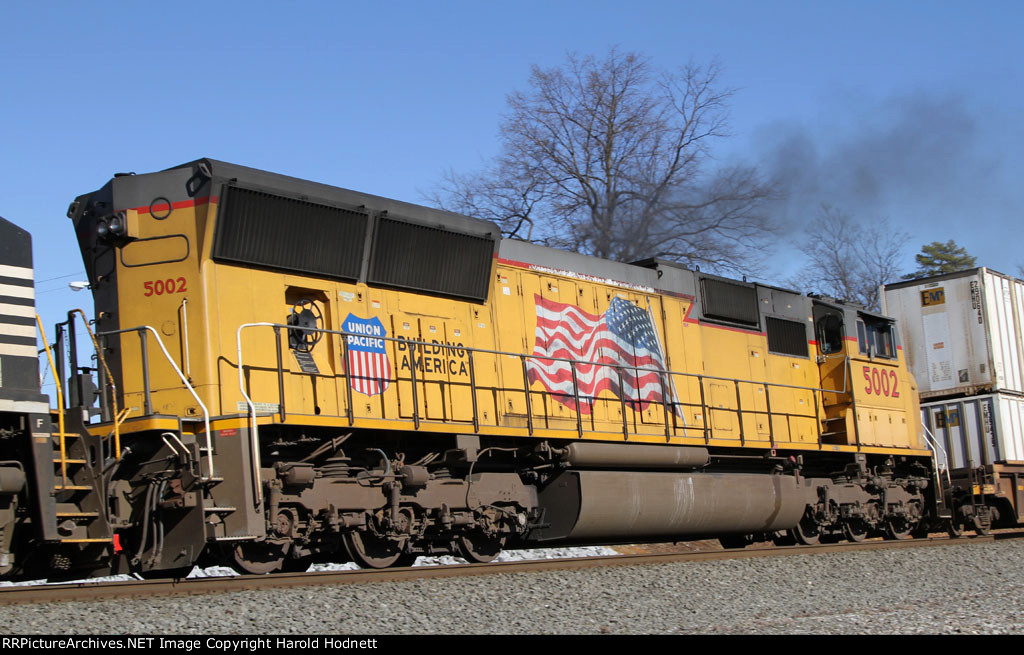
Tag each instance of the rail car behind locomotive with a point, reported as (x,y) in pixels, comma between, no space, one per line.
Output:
(967,333)
(290,371)
(24,411)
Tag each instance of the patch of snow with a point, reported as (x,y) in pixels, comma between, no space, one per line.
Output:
(122,577)
(347,566)
(439,560)
(523,555)
(212,572)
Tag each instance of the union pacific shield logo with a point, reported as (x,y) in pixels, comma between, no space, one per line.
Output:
(368,363)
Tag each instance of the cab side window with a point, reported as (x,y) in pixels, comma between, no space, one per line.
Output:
(830,333)
(875,337)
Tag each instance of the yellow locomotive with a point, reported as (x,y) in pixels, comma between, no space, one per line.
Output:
(290,371)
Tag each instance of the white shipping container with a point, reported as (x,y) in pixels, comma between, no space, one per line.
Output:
(978,430)
(961,332)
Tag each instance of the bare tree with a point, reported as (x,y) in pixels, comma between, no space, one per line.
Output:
(611,157)
(849,259)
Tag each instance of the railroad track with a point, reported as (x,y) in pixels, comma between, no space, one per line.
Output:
(56,592)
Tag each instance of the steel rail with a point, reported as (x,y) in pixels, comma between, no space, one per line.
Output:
(79,591)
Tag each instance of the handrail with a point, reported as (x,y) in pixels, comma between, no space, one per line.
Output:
(550,359)
(847,376)
(941,463)
(186,361)
(254,440)
(110,381)
(141,329)
(60,405)
(413,343)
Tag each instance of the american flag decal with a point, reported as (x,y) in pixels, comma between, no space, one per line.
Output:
(622,336)
(368,363)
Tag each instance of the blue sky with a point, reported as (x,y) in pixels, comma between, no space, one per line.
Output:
(910,110)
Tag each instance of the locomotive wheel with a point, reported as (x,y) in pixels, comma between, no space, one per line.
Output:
(954,529)
(372,552)
(979,526)
(855,530)
(257,558)
(807,532)
(479,548)
(898,527)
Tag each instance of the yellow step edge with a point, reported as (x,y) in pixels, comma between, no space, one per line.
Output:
(86,541)
(71,487)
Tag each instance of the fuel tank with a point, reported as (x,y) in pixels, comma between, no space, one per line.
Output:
(607,505)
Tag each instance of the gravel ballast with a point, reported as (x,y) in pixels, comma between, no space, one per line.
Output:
(970,588)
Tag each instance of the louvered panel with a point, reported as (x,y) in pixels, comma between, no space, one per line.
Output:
(431,259)
(729,301)
(264,229)
(786,337)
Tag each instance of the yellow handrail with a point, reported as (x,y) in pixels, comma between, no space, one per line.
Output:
(60,405)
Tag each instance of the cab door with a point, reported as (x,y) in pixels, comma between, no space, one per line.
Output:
(830,336)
